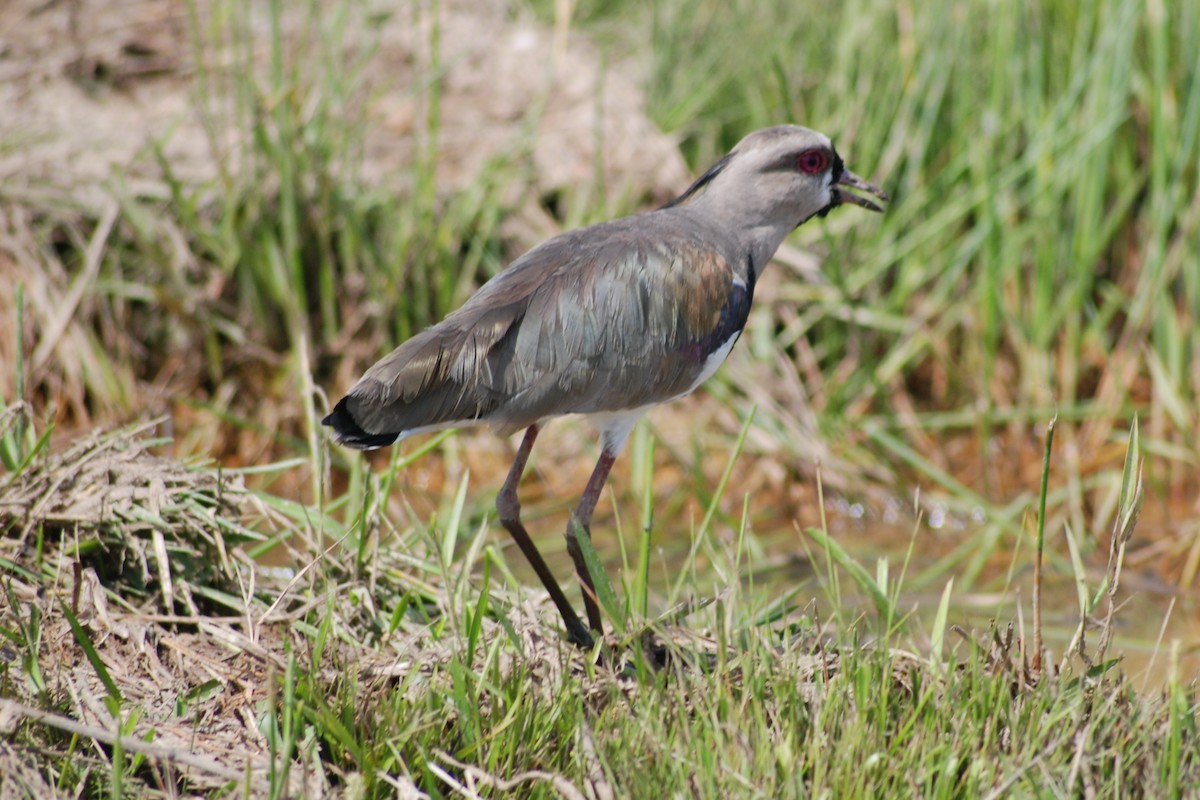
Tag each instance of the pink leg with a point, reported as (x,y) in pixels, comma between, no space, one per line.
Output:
(581,520)
(509,508)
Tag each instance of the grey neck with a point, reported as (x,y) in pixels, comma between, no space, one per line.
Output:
(756,234)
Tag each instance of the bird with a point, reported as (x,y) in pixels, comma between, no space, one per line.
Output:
(605,321)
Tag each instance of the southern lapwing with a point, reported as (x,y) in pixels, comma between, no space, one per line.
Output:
(605,321)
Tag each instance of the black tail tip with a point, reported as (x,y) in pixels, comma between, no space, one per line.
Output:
(348,432)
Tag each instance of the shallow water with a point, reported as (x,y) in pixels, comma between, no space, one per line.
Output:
(990,563)
(1154,614)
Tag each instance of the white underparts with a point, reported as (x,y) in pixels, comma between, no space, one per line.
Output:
(441,426)
(615,426)
(713,362)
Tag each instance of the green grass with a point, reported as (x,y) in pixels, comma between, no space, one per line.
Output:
(1038,262)
(412,660)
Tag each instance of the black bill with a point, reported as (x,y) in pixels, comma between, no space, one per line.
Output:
(851,181)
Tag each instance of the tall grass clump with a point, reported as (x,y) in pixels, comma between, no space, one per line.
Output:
(283,268)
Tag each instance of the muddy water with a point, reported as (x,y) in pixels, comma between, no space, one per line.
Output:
(1151,615)
(1152,612)
(991,564)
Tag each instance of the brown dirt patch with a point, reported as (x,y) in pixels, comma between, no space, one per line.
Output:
(87,85)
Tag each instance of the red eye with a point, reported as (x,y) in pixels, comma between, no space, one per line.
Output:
(813,161)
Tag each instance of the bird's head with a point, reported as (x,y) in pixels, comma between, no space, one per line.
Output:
(780,177)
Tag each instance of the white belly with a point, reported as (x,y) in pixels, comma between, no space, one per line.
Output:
(712,363)
(615,426)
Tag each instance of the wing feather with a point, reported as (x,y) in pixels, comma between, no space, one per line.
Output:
(616,316)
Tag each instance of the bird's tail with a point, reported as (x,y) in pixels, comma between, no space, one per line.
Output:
(348,432)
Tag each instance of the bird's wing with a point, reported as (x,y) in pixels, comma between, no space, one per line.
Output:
(600,319)
(632,325)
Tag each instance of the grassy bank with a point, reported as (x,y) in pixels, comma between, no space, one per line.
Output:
(142,657)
